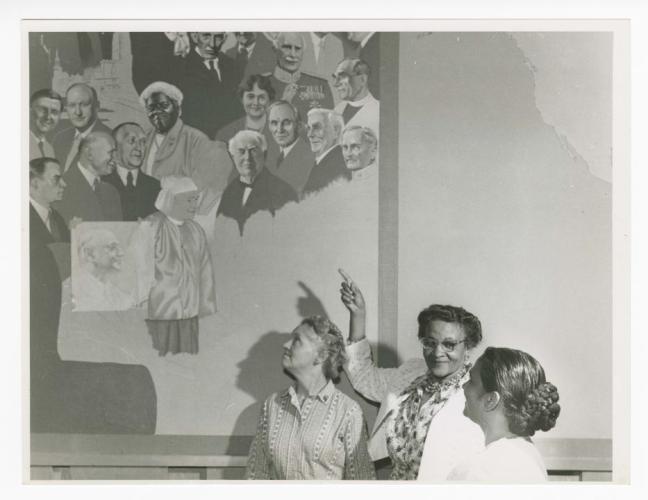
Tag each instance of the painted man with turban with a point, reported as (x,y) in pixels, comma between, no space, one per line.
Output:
(184,282)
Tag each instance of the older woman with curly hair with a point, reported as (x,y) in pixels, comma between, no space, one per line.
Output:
(508,395)
(311,430)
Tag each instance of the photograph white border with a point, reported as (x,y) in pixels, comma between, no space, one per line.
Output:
(621,205)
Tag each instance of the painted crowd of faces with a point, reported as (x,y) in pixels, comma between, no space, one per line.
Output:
(328,80)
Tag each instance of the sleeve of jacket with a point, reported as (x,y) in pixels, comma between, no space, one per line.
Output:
(366,378)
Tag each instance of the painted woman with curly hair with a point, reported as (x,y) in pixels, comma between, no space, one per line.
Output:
(311,430)
(508,395)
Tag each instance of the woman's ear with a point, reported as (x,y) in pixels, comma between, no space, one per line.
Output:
(491,400)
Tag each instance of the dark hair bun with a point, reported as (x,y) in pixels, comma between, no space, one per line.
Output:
(540,411)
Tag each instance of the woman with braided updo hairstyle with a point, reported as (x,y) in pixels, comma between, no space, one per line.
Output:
(508,395)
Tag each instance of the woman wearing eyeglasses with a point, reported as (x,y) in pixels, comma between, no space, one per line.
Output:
(508,395)
(420,425)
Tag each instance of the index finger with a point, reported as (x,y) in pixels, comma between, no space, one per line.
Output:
(346,277)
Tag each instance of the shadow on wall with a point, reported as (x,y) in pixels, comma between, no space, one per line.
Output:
(78,397)
(259,387)
(94,398)
(248,380)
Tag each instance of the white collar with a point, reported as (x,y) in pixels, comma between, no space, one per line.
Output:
(89,176)
(365,40)
(286,77)
(361,102)
(365,173)
(42,211)
(203,59)
(320,157)
(175,221)
(288,149)
(38,138)
(248,48)
(317,41)
(86,132)
(123,173)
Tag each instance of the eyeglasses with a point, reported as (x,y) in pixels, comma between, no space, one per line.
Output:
(446,346)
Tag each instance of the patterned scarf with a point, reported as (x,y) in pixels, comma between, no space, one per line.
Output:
(419,403)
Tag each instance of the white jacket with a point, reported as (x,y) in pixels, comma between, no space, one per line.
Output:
(451,439)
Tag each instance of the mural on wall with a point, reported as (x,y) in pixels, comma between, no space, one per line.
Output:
(112,269)
(500,195)
(200,174)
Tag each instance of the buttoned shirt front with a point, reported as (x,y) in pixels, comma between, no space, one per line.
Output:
(324,437)
(286,150)
(211,64)
(123,174)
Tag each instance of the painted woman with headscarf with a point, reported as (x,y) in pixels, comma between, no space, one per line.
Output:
(184,282)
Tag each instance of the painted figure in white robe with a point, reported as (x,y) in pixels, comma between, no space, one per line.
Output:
(184,282)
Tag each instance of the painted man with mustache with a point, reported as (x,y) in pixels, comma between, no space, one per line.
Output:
(174,148)
(302,90)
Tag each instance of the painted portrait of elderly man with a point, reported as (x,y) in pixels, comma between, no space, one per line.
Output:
(111,265)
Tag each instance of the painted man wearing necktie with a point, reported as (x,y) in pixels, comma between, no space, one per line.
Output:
(46,226)
(137,190)
(82,106)
(45,110)
(292,159)
(208,82)
(256,189)
(87,196)
(253,53)
(324,127)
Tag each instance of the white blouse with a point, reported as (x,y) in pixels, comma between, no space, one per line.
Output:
(507,460)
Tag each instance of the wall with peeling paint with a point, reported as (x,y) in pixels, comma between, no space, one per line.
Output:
(496,212)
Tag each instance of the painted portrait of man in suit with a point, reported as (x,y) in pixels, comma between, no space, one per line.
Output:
(255,189)
(137,190)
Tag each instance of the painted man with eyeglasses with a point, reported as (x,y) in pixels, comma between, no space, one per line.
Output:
(174,148)
(420,425)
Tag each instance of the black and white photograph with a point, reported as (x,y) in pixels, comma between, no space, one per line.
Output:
(375,257)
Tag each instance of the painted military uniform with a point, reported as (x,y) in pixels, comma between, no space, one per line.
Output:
(312,92)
